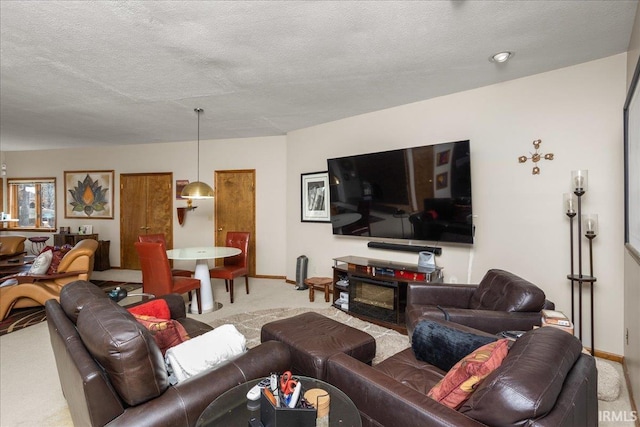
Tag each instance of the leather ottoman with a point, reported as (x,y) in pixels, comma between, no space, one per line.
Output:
(312,338)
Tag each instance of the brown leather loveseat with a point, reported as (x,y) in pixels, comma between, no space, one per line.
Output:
(113,373)
(545,380)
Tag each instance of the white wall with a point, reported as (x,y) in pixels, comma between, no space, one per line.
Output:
(266,155)
(577,112)
(520,224)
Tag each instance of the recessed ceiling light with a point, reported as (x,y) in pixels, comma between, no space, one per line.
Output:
(501,56)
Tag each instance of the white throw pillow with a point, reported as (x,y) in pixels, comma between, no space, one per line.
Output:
(41,263)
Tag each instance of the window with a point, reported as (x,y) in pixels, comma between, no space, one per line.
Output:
(32,201)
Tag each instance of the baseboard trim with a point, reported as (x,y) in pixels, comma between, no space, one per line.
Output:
(609,356)
(267,276)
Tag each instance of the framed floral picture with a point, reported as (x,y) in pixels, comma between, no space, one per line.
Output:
(88,194)
(315,197)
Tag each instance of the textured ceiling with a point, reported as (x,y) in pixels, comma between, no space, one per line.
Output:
(80,73)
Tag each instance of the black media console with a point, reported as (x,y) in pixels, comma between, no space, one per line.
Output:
(376,290)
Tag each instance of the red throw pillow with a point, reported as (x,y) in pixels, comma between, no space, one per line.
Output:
(466,375)
(58,254)
(157,308)
(166,333)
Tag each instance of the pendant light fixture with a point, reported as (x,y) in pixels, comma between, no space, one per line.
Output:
(197,189)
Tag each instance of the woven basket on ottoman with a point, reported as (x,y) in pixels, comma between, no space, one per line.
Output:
(312,338)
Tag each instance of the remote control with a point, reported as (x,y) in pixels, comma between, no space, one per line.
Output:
(254,393)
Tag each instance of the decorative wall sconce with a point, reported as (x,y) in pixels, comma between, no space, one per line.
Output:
(182,212)
(536,157)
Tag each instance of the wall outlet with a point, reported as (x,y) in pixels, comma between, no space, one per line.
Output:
(453,279)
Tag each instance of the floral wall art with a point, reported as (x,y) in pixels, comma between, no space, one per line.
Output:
(88,194)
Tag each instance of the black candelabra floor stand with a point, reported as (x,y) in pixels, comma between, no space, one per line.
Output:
(580,278)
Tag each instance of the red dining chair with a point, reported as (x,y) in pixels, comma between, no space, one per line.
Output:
(156,273)
(235,266)
(155,238)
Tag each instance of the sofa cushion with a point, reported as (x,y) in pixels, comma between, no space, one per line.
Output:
(411,372)
(462,380)
(75,295)
(443,346)
(500,290)
(166,332)
(127,352)
(529,381)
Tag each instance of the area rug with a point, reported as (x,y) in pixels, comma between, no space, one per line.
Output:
(388,341)
(20,318)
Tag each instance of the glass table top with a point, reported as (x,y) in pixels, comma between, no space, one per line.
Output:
(232,408)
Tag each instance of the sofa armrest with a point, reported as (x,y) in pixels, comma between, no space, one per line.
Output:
(32,278)
(440,294)
(176,305)
(385,401)
(182,404)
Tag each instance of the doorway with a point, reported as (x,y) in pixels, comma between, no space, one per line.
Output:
(235,208)
(146,207)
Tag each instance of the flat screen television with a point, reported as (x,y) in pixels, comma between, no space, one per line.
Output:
(418,193)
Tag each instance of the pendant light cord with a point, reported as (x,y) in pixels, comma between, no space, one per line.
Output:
(198,111)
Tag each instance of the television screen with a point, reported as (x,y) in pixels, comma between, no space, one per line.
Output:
(418,193)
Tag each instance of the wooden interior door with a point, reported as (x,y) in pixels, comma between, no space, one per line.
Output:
(235,208)
(146,202)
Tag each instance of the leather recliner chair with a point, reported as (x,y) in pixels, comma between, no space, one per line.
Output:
(34,290)
(501,302)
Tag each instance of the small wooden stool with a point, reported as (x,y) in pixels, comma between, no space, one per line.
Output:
(320,283)
(38,243)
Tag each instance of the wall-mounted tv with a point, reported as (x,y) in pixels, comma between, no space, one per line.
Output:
(418,193)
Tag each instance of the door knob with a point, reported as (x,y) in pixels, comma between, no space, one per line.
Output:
(220,229)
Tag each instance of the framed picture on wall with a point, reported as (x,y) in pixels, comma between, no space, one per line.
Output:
(315,197)
(180,184)
(88,194)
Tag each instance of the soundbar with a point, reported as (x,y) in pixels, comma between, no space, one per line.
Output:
(405,248)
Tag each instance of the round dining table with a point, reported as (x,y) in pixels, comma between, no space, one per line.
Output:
(202,255)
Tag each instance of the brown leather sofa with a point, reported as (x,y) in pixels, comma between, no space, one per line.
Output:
(545,380)
(501,302)
(11,245)
(113,373)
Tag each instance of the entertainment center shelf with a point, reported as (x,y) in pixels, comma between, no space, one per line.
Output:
(376,290)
